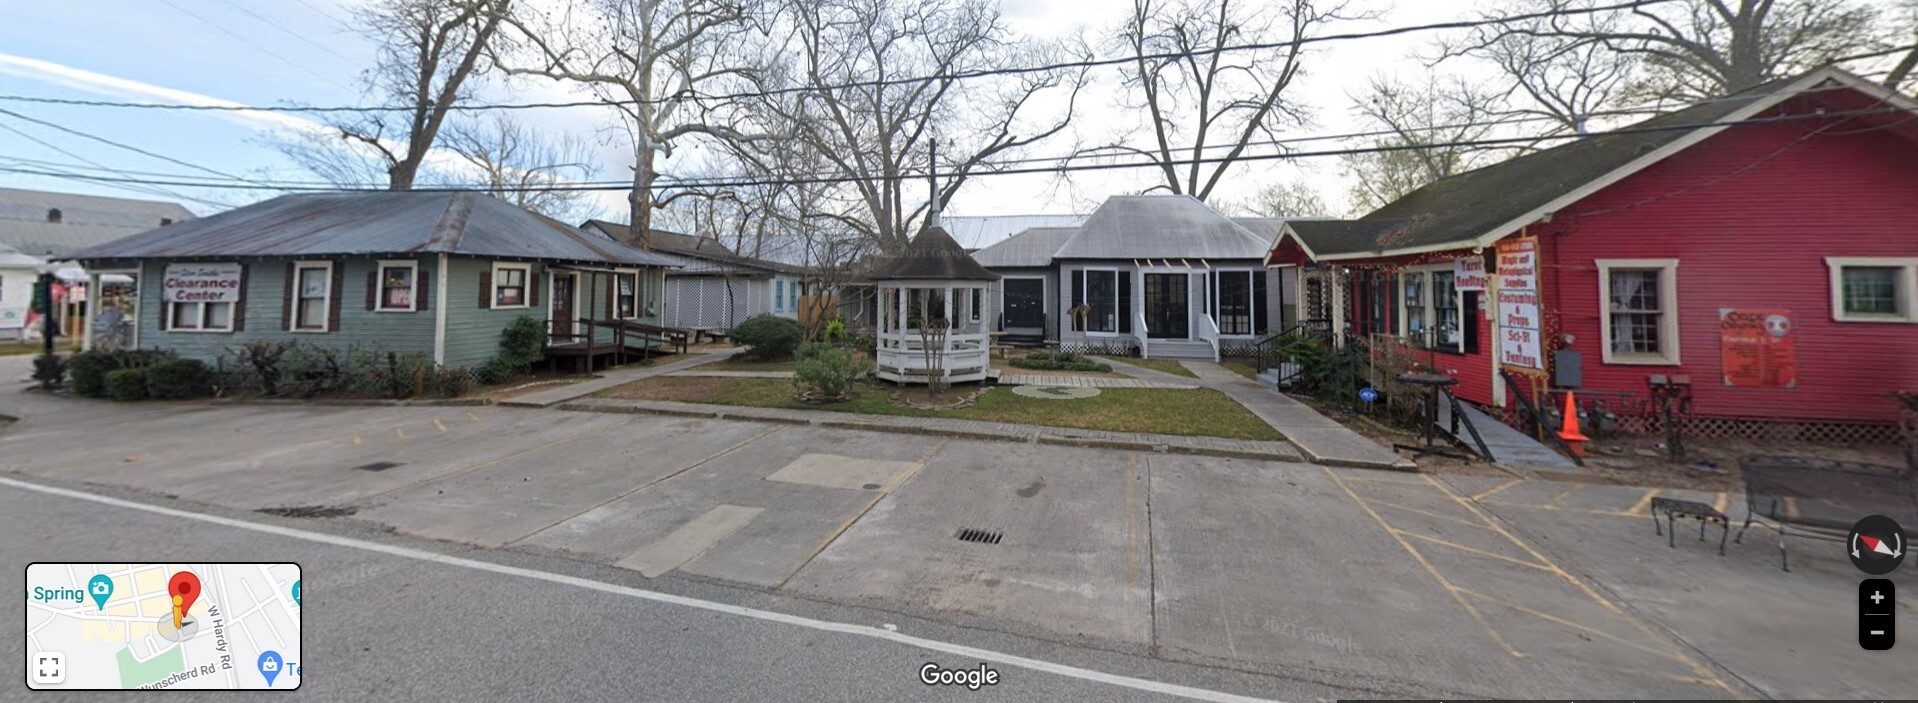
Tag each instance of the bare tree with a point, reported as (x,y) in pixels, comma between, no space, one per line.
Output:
(1562,82)
(522,166)
(1199,97)
(1429,128)
(1908,13)
(1695,49)
(649,58)
(1289,198)
(878,134)
(429,52)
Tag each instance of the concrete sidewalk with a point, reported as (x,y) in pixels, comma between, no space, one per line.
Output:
(1323,440)
(611,379)
(964,429)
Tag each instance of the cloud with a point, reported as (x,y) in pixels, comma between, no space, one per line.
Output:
(114,86)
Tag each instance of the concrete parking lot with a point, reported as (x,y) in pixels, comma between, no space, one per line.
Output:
(1386,582)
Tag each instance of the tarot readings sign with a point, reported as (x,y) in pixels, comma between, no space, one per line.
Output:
(1757,349)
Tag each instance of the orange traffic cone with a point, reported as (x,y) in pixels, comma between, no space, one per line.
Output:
(1568,429)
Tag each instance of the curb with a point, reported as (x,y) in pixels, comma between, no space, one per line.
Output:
(369,402)
(1099,443)
(1402,465)
(634,410)
(1235,453)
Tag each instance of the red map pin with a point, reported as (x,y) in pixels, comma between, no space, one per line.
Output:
(187,586)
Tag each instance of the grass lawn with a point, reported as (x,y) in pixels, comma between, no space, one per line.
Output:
(1242,367)
(1171,366)
(15,348)
(738,364)
(1198,412)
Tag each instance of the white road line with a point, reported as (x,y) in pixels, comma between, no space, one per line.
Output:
(960,650)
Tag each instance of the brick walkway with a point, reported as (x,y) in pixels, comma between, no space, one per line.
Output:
(965,429)
(1322,439)
(610,379)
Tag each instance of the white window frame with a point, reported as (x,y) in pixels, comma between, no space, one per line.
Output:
(379,290)
(1428,290)
(638,294)
(326,301)
(1667,303)
(1215,305)
(171,307)
(525,286)
(1907,287)
(1085,294)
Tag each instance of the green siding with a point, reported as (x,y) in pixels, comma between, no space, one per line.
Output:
(263,298)
(472,333)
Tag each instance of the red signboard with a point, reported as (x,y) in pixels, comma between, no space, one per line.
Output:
(1757,348)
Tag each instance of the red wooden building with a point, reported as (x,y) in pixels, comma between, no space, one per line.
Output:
(1762,247)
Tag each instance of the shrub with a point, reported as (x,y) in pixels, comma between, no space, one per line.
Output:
(836,331)
(1055,365)
(87,371)
(127,384)
(828,371)
(50,370)
(1059,356)
(178,379)
(768,337)
(521,344)
(263,358)
(308,371)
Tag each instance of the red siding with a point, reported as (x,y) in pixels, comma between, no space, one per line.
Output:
(1751,215)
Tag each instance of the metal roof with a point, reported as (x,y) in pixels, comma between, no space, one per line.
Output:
(695,254)
(1031,248)
(385,222)
(1161,227)
(981,231)
(12,258)
(85,220)
(932,256)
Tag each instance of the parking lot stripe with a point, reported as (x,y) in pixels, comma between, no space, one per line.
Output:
(441,426)
(1427,513)
(1474,550)
(1559,500)
(1640,646)
(959,650)
(1644,502)
(1429,569)
(495,460)
(1723,502)
(1495,489)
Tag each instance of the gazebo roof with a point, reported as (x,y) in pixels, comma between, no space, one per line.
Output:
(932,256)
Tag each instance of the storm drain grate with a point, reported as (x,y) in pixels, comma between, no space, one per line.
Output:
(980,536)
(378,466)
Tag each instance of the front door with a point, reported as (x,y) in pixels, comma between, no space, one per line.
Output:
(1025,303)
(1165,306)
(563,318)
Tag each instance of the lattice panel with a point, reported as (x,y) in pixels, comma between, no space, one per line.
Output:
(1749,428)
(1101,348)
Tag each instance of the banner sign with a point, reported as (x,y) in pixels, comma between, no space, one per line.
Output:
(1469,272)
(201,283)
(1756,348)
(1520,338)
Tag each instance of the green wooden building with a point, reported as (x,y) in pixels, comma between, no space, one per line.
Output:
(430,273)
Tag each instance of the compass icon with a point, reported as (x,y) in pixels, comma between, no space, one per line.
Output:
(1877,545)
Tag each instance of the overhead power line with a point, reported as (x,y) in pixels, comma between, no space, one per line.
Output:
(129,184)
(668,182)
(910,80)
(128,147)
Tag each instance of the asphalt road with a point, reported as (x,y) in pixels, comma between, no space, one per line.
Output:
(399,619)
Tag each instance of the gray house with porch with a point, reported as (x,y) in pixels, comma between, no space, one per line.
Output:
(1164,276)
(434,274)
(712,287)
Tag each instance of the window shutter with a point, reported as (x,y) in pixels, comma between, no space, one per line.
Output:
(239,307)
(1468,323)
(334,293)
(286,300)
(1078,298)
(373,287)
(1125,301)
(532,288)
(423,298)
(612,290)
(486,289)
(1259,304)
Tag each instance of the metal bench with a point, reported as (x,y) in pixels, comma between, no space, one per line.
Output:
(1704,514)
(1820,499)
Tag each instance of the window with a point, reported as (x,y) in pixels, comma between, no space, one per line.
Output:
(201,317)
(1639,310)
(1102,294)
(1874,289)
(399,282)
(977,296)
(779,295)
(1429,310)
(925,304)
(509,285)
(312,294)
(1236,308)
(626,295)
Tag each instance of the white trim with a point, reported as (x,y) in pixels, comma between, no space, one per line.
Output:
(1426,291)
(1690,139)
(1668,312)
(379,285)
(551,288)
(439,314)
(1907,287)
(525,291)
(326,301)
(1285,231)
(639,294)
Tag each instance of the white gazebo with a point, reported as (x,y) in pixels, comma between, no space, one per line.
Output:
(932,312)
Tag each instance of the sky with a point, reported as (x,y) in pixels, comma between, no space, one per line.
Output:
(258,52)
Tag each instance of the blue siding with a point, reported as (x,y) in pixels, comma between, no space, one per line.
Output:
(263,299)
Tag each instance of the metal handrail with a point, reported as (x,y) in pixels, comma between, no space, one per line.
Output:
(1536,416)
(1262,349)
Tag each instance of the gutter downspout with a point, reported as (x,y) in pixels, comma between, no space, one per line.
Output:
(439,315)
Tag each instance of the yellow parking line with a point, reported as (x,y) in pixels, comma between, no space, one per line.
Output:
(1497,488)
(400,433)
(1363,479)
(475,417)
(1559,499)
(1562,621)
(1586,511)
(1474,550)
(1429,569)
(1723,502)
(1644,501)
(441,426)
(1427,513)
(356,439)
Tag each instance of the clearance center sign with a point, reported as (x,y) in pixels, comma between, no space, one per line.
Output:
(1520,338)
(201,283)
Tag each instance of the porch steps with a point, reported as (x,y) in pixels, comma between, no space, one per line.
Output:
(1270,377)
(1179,349)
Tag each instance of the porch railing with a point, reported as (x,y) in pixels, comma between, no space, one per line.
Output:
(1139,333)
(1209,333)
(1270,353)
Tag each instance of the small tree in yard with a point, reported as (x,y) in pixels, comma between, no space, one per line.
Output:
(932,341)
